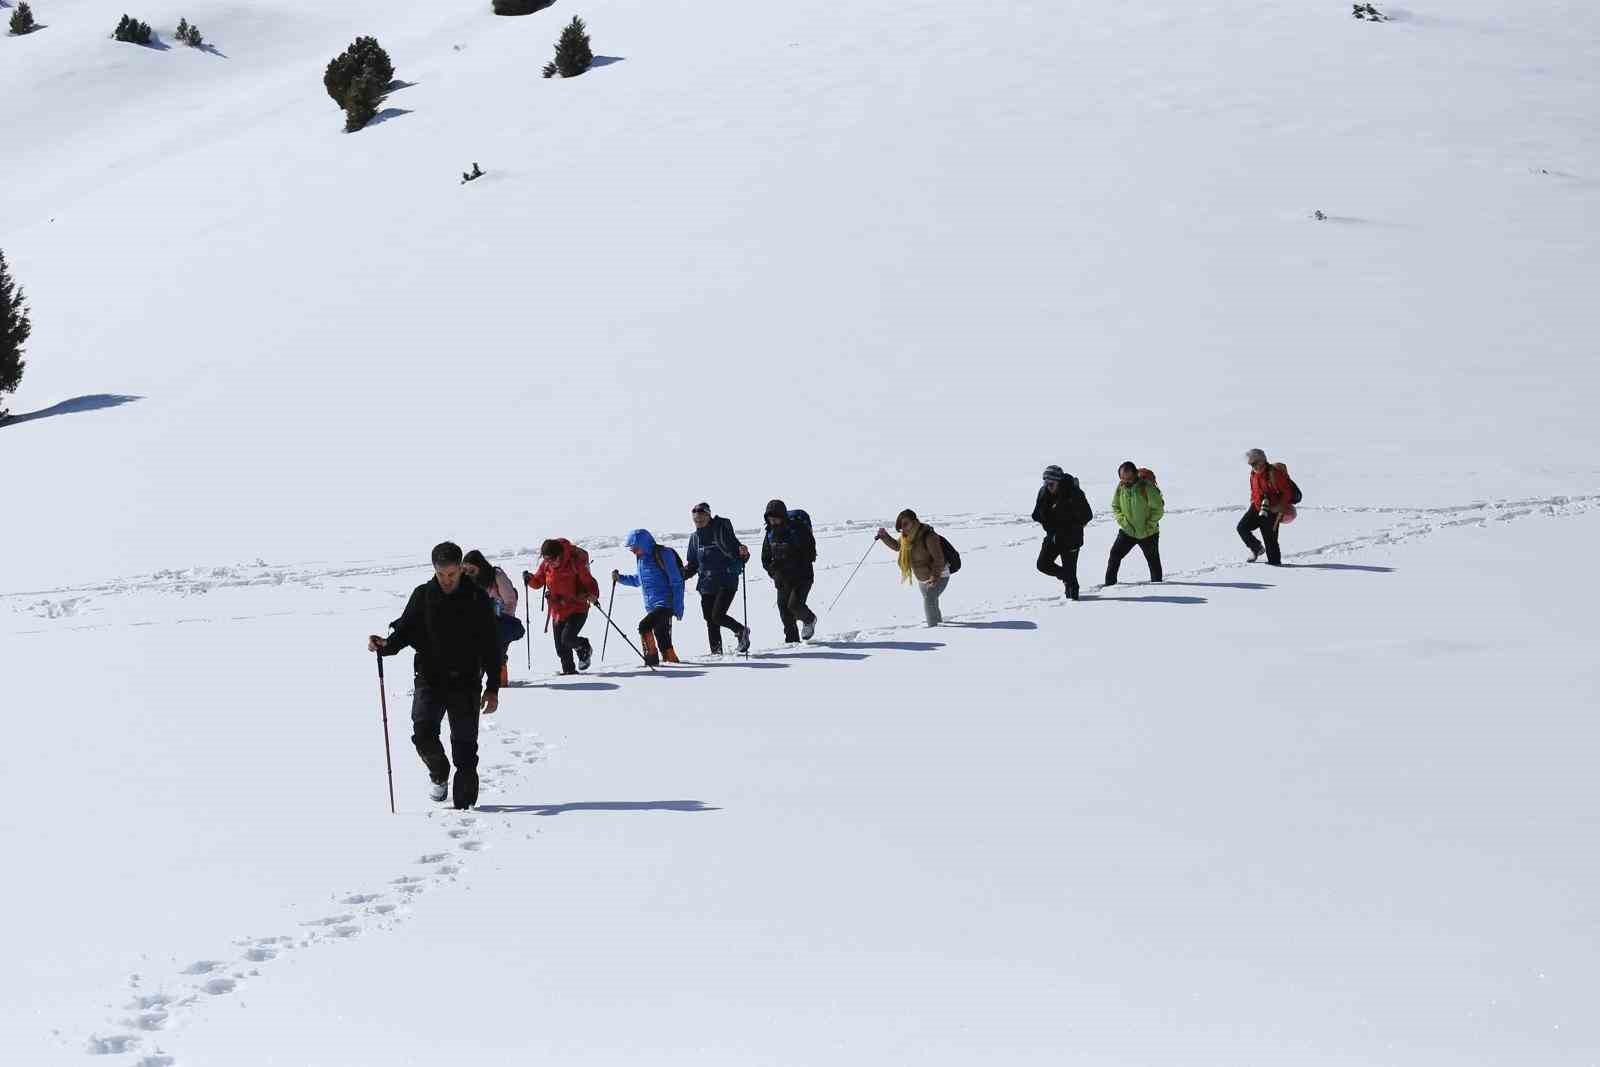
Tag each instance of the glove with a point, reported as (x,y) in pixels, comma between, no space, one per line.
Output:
(527,577)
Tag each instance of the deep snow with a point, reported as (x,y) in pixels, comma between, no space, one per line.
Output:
(862,258)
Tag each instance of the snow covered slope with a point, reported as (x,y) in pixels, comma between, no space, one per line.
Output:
(862,257)
(913,250)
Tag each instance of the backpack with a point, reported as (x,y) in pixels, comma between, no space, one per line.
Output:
(662,563)
(799,518)
(952,558)
(1295,496)
(1082,511)
(1145,474)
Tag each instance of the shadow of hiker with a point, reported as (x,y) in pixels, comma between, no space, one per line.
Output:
(899,646)
(1368,568)
(577,687)
(1000,624)
(596,805)
(1148,599)
(754,666)
(811,655)
(663,672)
(1224,585)
(91,402)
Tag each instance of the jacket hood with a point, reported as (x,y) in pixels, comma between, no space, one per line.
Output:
(641,539)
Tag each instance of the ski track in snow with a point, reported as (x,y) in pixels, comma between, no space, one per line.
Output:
(150,1008)
(76,602)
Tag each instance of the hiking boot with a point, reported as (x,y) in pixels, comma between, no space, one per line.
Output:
(1072,592)
(808,630)
(584,658)
(1110,581)
(1255,554)
(670,655)
(652,655)
(716,650)
(437,790)
(744,639)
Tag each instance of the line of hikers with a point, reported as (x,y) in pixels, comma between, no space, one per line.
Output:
(461,630)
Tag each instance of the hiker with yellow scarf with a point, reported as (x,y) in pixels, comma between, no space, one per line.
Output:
(922,558)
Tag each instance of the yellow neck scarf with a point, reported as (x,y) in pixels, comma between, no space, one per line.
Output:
(908,537)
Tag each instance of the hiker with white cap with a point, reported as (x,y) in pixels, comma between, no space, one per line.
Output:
(1063,511)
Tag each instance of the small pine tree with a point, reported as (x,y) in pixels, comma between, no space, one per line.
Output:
(22,19)
(519,7)
(14,330)
(550,69)
(362,101)
(365,54)
(189,35)
(573,55)
(132,31)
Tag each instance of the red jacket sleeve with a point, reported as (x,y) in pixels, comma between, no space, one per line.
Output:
(1258,489)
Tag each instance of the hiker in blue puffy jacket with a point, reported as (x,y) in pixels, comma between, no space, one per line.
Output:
(660,577)
(716,555)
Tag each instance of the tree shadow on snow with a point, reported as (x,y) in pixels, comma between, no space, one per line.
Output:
(212,50)
(1148,599)
(386,114)
(999,624)
(596,805)
(606,61)
(91,402)
(1365,567)
(398,84)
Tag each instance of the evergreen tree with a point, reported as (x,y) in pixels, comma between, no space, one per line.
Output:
(572,51)
(189,35)
(362,101)
(132,31)
(364,55)
(519,7)
(22,19)
(14,330)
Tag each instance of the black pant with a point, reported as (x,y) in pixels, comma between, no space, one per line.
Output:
(792,606)
(429,708)
(714,606)
(1150,546)
(567,640)
(1267,523)
(658,622)
(1067,573)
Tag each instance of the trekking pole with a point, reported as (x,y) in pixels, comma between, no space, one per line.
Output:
(544,608)
(852,577)
(383,702)
(620,634)
(609,603)
(744,584)
(527,626)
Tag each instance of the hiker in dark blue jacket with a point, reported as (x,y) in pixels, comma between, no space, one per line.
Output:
(788,552)
(659,577)
(716,555)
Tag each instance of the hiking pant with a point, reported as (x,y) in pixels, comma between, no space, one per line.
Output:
(429,709)
(1067,573)
(566,633)
(930,599)
(659,623)
(714,606)
(510,629)
(1150,546)
(792,607)
(1267,523)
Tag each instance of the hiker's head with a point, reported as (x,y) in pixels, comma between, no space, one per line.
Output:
(447,565)
(1053,477)
(1257,459)
(1127,474)
(637,550)
(551,549)
(478,568)
(905,520)
(776,514)
(701,514)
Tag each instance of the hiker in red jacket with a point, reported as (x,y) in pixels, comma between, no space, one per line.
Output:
(1271,497)
(569,588)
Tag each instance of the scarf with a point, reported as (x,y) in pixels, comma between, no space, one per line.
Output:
(908,538)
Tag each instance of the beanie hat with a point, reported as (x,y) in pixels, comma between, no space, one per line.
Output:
(1054,473)
(775,508)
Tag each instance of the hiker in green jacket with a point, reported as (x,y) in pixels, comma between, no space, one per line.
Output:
(1137,507)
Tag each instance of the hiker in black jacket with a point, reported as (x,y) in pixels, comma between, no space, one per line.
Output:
(1063,511)
(451,624)
(787,552)
(717,556)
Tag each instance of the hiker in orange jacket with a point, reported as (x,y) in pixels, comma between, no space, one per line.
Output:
(569,588)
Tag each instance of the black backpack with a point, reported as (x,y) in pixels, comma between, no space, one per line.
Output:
(952,558)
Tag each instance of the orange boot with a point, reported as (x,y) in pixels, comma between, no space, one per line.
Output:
(651,654)
(670,655)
